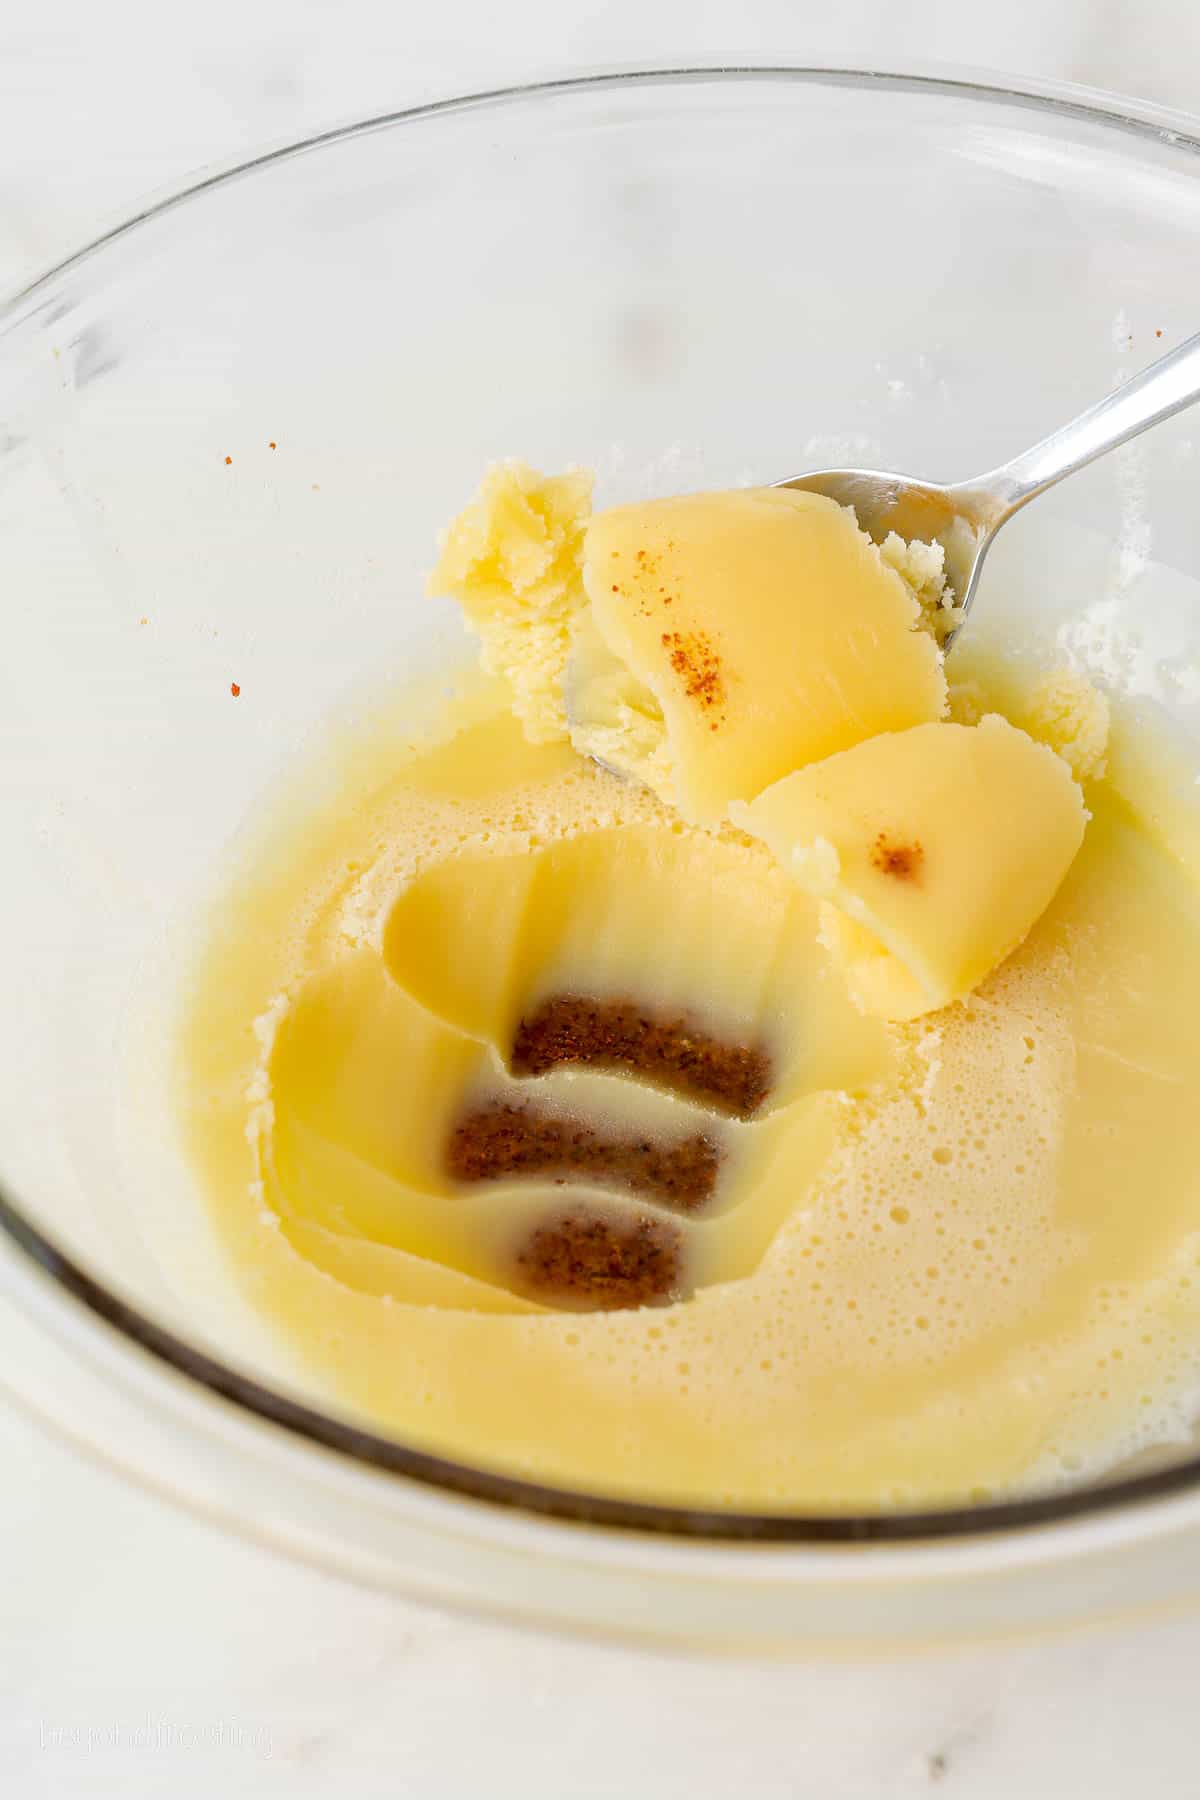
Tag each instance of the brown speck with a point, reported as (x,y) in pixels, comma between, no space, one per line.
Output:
(898,859)
(272,445)
(694,658)
(677,1052)
(600,1263)
(234,689)
(1158,334)
(228,460)
(615,588)
(498,1142)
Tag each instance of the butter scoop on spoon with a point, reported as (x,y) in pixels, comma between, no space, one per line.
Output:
(965,516)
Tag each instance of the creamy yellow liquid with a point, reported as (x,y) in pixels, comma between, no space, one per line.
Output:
(944,1260)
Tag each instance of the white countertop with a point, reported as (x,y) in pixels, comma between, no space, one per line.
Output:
(142,1652)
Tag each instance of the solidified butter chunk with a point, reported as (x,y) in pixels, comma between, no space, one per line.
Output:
(933,850)
(512,561)
(733,637)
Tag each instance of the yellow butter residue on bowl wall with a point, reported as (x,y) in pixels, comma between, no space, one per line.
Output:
(1059,707)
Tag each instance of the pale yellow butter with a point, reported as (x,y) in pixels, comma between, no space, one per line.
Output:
(752,632)
(934,851)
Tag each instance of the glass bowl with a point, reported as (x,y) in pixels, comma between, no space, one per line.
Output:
(228,433)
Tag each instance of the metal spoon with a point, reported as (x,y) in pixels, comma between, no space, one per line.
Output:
(965,517)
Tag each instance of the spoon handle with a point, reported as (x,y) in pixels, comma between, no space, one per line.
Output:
(1166,387)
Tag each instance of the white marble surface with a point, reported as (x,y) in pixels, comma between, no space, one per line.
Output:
(143,1653)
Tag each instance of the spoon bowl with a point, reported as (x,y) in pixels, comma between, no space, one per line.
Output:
(964,517)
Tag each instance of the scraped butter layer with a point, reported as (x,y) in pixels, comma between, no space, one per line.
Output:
(561,1147)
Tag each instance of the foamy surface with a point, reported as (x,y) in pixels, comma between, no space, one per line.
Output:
(987,1280)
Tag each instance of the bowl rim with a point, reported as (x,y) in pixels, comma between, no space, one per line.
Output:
(1143,119)
(93,1303)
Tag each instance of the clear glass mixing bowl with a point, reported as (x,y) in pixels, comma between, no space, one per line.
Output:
(228,433)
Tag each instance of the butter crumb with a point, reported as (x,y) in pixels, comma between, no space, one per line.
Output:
(922,567)
(512,559)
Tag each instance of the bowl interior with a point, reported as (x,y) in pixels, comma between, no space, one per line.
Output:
(229,435)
